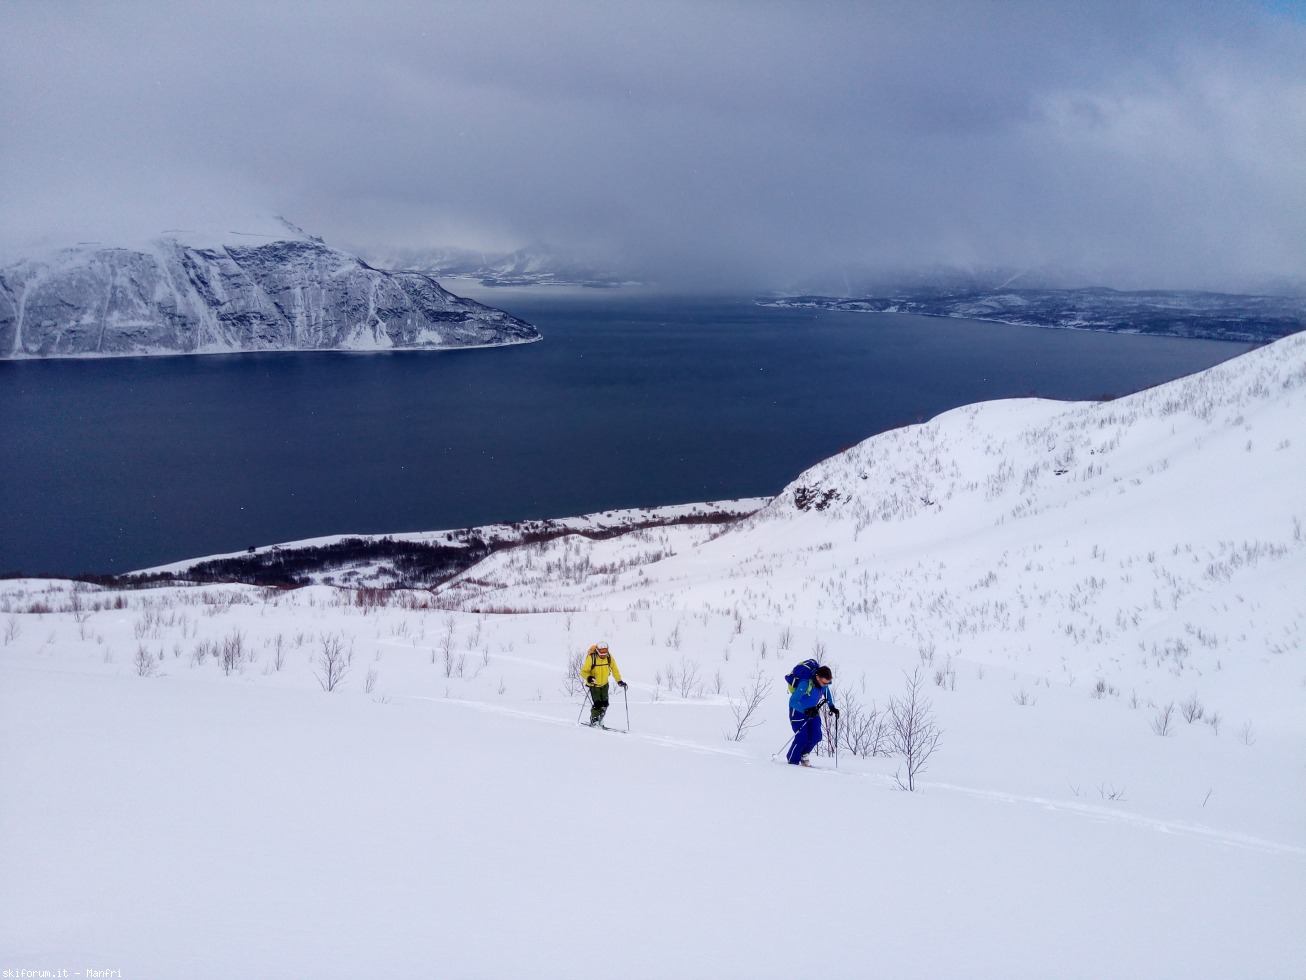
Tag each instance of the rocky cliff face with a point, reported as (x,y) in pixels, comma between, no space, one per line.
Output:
(172,297)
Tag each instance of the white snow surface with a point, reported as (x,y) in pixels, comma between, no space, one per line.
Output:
(1059,573)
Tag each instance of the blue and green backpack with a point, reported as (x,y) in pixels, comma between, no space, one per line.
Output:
(801,672)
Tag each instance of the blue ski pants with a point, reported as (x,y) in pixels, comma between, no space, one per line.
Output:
(807,736)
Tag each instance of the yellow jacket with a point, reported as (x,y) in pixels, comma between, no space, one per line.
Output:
(597,666)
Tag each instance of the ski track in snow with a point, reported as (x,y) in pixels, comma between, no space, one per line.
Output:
(1104,815)
(667,740)
(1085,810)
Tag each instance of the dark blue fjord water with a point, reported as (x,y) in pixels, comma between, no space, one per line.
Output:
(113,465)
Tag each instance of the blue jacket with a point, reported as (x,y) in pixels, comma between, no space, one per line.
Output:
(809,694)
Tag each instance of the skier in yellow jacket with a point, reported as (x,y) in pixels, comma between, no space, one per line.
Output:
(594,671)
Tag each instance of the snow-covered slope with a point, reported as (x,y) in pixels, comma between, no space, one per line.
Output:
(1161,531)
(1102,601)
(425,558)
(274,288)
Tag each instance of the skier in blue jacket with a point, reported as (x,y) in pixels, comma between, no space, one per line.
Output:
(807,692)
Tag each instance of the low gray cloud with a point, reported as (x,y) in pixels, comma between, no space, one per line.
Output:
(737,145)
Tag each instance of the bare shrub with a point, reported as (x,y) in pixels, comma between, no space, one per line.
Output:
(147,625)
(144,663)
(913,733)
(863,728)
(572,682)
(202,649)
(232,653)
(369,600)
(785,640)
(1163,720)
(1191,708)
(744,708)
(687,679)
(369,683)
(331,663)
(1246,735)
(446,645)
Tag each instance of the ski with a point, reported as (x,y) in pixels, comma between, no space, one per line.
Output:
(619,731)
(811,768)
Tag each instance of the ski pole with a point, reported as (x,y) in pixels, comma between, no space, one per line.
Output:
(793,736)
(836,741)
(783,747)
(589,698)
(626,697)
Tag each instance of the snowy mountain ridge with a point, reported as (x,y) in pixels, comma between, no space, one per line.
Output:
(201,292)
(531,265)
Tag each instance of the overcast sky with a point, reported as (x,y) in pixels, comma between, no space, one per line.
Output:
(745,144)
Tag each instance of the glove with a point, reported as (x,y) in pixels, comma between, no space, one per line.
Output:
(621,683)
(589,681)
(834,711)
(813,711)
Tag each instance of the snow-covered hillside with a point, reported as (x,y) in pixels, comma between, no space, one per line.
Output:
(1102,601)
(1256,318)
(201,292)
(1162,533)
(424,558)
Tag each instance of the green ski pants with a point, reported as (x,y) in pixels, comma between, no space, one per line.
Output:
(598,703)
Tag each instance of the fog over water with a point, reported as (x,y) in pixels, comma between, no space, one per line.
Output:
(703,145)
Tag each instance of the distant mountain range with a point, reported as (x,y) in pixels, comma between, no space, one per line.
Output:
(1212,316)
(269,287)
(534,265)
